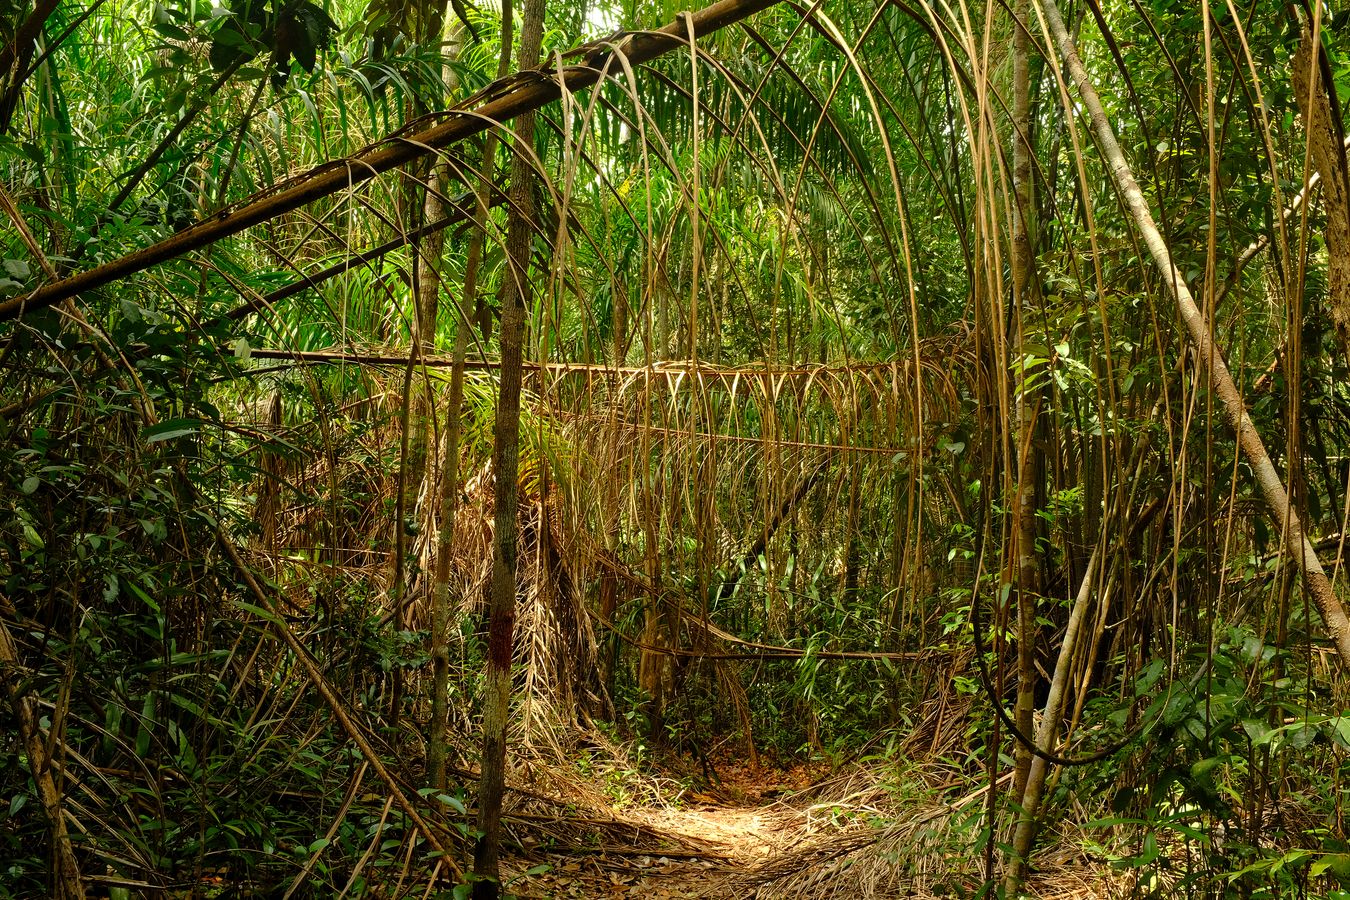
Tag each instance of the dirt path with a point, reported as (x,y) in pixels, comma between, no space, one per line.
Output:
(704,849)
(701,847)
(744,834)
(782,834)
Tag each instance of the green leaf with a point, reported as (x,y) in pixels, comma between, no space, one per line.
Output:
(1258,732)
(1111,821)
(143,729)
(171,31)
(31,537)
(143,596)
(1340,731)
(453,802)
(1197,728)
(265,614)
(306,51)
(231,36)
(1203,771)
(1148,677)
(168,430)
(1148,855)
(1300,735)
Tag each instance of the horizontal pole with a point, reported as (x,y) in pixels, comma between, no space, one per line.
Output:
(669,369)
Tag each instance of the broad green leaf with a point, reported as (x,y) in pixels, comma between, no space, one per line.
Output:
(168,430)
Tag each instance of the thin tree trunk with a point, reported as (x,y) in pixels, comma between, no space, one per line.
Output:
(1300,550)
(661,626)
(440,588)
(397,588)
(516,295)
(1029,464)
(419,202)
(429,285)
(440,592)
(1048,732)
(655,666)
(849,582)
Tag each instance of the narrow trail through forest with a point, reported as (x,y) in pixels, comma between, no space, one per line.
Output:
(768,832)
(707,843)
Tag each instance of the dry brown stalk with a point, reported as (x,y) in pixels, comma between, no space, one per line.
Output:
(672,369)
(1328,151)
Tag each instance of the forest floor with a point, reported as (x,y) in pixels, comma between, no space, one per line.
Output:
(706,843)
(767,833)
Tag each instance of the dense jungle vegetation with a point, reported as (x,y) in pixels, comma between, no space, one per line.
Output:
(595,448)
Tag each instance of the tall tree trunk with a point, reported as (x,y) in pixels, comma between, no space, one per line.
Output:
(515,296)
(440,590)
(661,626)
(420,200)
(656,670)
(1029,463)
(440,582)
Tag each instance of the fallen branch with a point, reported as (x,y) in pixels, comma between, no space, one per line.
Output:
(780,515)
(667,369)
